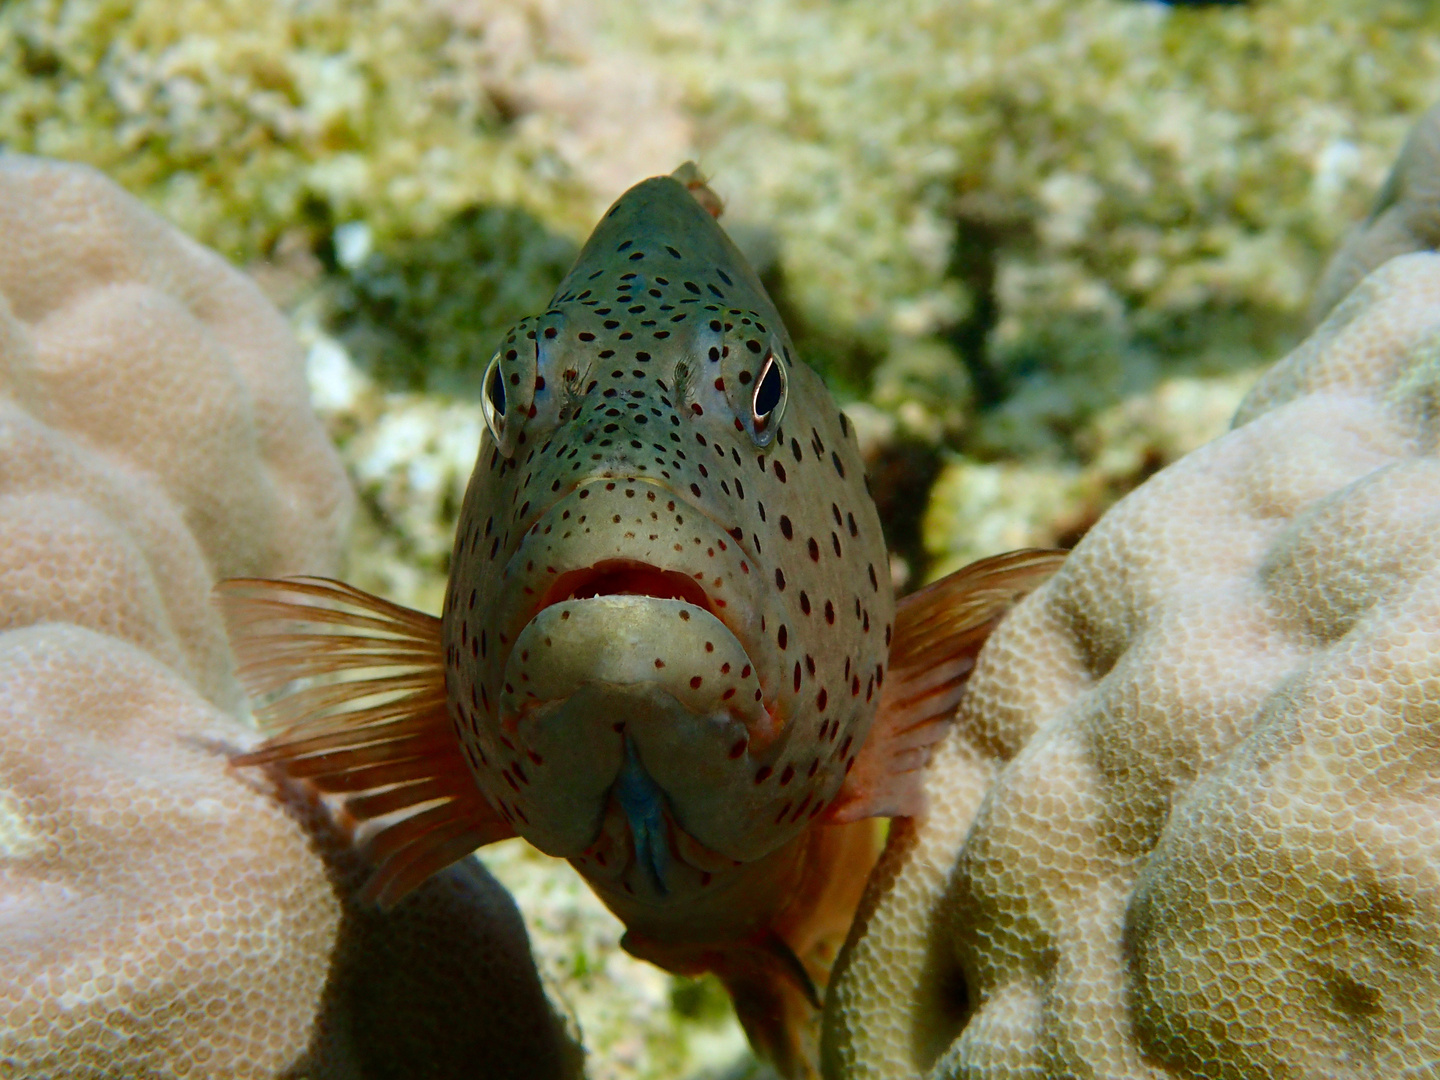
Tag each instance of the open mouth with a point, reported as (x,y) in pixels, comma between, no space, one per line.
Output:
(620,577)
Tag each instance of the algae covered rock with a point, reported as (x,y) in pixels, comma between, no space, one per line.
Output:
(1186,823)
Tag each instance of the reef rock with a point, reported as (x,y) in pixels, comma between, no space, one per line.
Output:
(160,914)
(1188,823)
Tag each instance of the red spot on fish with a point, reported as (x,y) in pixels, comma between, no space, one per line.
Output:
(695,683)
(737,749)
(763,773)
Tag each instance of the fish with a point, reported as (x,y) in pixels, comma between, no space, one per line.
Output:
(670,650)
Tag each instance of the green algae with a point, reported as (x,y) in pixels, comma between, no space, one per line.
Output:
(232,118)
(425,312)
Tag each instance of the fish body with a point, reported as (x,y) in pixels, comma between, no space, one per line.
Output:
(667,634)
(641,575)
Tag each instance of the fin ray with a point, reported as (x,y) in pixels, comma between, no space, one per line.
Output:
(939,631)
(374,728)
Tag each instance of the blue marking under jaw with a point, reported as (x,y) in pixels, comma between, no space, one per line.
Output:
(641,799)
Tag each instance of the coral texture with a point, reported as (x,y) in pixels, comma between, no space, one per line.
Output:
(160,914)
(1188,824)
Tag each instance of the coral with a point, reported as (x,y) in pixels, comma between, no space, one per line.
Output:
(428,311)
(980,508)
(161,914)
(1186,823)
(914,162)
(1160,171)
(242,121)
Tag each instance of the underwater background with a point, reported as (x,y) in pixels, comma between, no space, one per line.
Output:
(1038,249)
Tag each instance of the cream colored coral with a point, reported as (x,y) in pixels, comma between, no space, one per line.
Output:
(162,915)
(1188,824)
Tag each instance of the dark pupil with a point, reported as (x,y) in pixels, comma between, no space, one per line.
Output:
(496,390)
(767,394)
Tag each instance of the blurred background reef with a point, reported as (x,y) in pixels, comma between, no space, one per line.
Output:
(1039,249)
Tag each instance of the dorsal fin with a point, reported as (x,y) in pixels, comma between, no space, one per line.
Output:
(353,689)
(699,186)
(938,633)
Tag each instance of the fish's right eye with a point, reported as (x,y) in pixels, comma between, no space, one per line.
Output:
(493,399)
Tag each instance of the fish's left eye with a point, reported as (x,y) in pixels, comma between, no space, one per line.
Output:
(493,398)
(769,401)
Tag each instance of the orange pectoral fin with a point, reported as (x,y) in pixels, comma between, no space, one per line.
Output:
(938,633)
(354,686)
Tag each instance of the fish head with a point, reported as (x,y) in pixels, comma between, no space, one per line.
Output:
(669,606)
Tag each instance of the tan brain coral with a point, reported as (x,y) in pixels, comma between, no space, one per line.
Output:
(1189,822)
(160,914)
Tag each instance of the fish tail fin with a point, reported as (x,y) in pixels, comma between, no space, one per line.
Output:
(939,631)
(351,689)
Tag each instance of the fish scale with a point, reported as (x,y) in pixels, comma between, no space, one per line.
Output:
(669,650)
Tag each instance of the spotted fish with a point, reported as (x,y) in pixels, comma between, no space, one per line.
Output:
(670,652)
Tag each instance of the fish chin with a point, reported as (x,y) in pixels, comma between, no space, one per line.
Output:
(596,683)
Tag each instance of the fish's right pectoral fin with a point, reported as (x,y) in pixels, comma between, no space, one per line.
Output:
(353,689)
(939,632)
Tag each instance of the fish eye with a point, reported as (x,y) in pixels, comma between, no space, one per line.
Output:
(493,398)
(769,400)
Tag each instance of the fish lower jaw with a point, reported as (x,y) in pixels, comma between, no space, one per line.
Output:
(650,643)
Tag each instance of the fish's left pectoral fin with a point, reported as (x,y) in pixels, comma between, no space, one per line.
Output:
(353,689)
(939,631)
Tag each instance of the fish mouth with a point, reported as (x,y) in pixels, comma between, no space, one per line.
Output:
(625,577)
